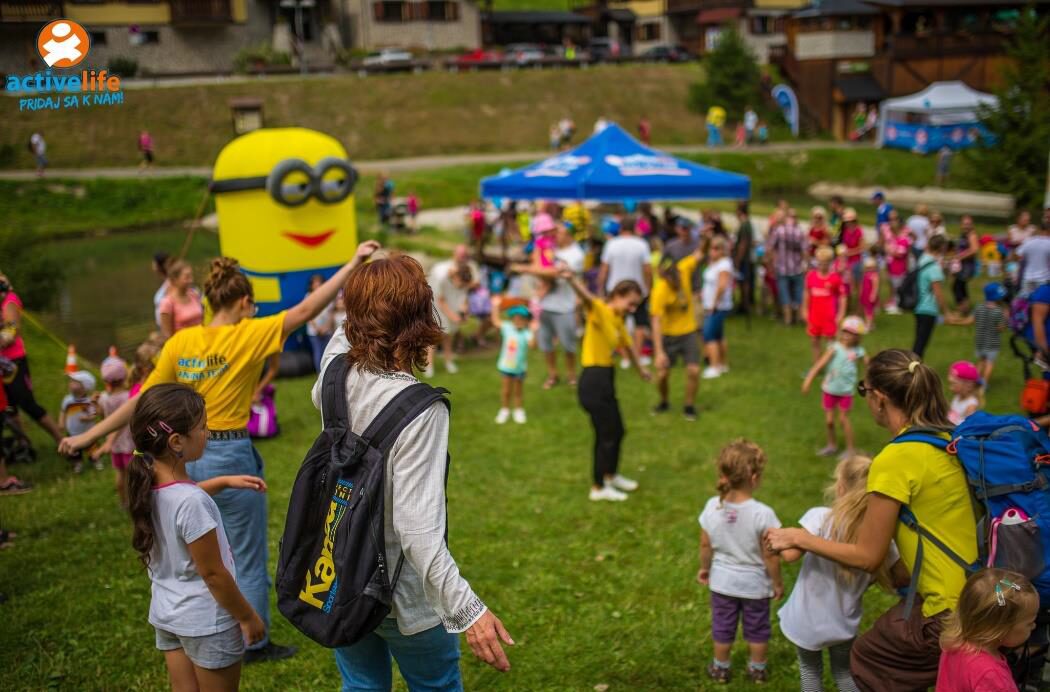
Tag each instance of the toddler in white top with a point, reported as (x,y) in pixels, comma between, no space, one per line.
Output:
(967,387)
(201,618)
(733,564)
(824,609)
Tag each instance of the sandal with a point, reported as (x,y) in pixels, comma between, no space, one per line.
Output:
(550,381)
(13,486)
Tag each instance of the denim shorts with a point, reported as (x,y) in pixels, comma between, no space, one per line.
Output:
(211,652)
(714,326)
(789,290)
(987,355)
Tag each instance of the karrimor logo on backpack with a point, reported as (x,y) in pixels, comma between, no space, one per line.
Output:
(322,580)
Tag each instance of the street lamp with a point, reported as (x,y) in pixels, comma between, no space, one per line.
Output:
(298,6)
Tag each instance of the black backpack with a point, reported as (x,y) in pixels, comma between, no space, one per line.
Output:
(332,578)
(908,293)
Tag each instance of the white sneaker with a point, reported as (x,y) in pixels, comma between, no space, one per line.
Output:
(623,483)
(503,416)
(893,310)
(645,360)
(711,372)
(428,371)
(450,367)
(607,493)
(519,415)
(625,364)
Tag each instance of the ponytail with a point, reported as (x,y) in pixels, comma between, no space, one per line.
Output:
(139,484)
(912,386)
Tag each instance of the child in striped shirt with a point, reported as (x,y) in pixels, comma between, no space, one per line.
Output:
(989,321)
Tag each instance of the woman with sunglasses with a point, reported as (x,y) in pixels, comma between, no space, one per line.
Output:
(223,362)
(901,652)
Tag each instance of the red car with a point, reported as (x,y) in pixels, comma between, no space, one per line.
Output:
(478,57)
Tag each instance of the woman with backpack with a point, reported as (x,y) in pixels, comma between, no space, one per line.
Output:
(389,310)
(901,651)
(223,361)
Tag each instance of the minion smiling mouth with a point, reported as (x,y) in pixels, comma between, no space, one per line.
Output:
(307,240)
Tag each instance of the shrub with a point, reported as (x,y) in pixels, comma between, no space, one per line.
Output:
(733,77)
(261,55)
(124,66)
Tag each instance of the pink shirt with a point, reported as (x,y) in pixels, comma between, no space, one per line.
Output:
(188,314)
(852,237)
(973,671)
(897,247)
(17,348)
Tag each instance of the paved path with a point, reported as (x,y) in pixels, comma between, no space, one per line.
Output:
(417,163)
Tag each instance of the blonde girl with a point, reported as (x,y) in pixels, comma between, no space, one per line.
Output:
(996,610)
(967,388)
(742,577)
(825,606)
(841,361)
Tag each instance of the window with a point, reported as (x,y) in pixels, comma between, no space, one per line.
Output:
(649,31)
(391,11)
(765,25)
(442,11)
(142,38)
(98,38)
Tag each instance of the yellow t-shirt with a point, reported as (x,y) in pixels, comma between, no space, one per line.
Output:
(603,334)
(223,364)
(933,484)
(675,310)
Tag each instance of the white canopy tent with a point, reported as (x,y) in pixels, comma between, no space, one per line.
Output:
(938,105)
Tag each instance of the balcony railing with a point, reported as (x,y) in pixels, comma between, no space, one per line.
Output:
(200,11)
(29,10)
(938,45)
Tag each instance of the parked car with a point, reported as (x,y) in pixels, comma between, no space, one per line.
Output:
(477,57)
(387,56)
(524,53)
(668,54)
(603,48)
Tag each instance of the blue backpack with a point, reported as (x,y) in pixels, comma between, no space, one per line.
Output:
(1006,460)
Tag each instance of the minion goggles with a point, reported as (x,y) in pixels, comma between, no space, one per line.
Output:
(292,182)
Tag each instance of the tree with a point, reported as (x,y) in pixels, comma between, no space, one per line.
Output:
(1015,162)
(733,78)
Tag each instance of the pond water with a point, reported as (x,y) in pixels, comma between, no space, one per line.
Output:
(107,298)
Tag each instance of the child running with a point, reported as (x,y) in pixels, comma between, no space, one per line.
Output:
(996,610)
(840,380)
(825,606)
(513,361)
(202,620)
(823,304)
(966,386)
(742,577)
(118,444)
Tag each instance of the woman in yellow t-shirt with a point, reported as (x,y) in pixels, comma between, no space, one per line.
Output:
(603,334)
(901,653)
(223,362)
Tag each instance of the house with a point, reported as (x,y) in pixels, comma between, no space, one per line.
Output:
(162,36)
(423,24)
(699,23)
(545,27)
(841,53)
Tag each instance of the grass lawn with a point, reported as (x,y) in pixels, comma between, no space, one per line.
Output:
(594,594)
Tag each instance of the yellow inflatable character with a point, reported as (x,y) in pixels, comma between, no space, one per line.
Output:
(284,198)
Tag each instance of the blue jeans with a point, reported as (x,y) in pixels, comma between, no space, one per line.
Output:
(317,346)
(428,660)
(789,290)
(243,518)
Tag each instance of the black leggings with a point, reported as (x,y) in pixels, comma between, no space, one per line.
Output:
(924,325)
(597,394)
(20,391)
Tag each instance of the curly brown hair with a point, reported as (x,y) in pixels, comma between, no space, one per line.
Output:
(390,319)
(226,283)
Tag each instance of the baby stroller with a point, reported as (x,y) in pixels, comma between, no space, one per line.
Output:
(15,446)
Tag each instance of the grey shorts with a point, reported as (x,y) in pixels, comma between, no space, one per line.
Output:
(687,346)
(212,651)
(987,355)
(557,324)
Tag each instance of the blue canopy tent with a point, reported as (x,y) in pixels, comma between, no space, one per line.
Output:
(612,166)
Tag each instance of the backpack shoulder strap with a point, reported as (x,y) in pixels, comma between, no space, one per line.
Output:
(333,393)
(404,408)
(930,436)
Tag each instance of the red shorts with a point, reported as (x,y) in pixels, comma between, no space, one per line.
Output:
(842,402)
(121,461)
(821,328)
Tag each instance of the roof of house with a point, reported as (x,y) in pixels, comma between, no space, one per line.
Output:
(836,8)
(859,87)
(538,17)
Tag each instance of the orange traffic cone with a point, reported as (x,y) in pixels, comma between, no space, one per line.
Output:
(71,359)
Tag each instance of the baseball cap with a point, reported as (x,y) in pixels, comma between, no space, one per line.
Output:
(854,325)
(519,311)
(994,291)
(85,378)
(877,194)
(114,370)
(965,370)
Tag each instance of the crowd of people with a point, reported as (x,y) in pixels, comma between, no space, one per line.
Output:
(634,290)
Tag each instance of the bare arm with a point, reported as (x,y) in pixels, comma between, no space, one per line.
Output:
(647,274)
(772,563)
(214,486)
(167,324)
(938,295)
(111,423)
(314,302)
(13,317)
(873,538)
(273,364)
(706,555)
(723,285)
(603,275)
(792,554)
(208,562)
(586,297)
(821,363)
(1040,311)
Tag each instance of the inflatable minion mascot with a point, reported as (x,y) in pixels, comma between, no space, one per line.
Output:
(284,198)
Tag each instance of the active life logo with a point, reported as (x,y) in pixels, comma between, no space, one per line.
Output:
(64,44)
